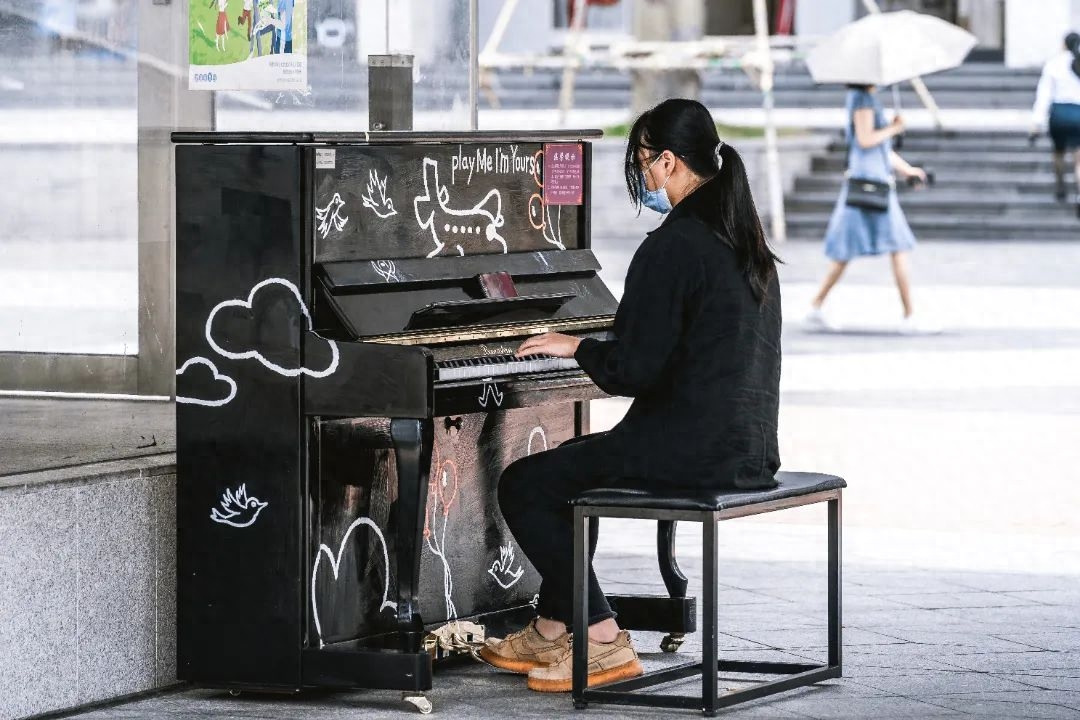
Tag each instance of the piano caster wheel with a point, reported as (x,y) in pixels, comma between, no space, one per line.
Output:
(235,693)
(420,702)
(672,642)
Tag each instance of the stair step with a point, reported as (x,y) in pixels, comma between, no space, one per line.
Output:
(970,162)
(921,203)
(997,146)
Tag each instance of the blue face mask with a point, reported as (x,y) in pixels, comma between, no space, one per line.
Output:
(654,199)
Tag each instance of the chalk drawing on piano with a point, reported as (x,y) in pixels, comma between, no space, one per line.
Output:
(375,197)
(537,431)
(387,270)
(335,563)
(215,375)
(489,393)
(540,211)
(256,354)
(237,508)
(329,217)
(442,496)
(503,569)
(435,214)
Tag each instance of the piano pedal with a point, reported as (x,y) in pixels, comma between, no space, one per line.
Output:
(419,701)
(459,637)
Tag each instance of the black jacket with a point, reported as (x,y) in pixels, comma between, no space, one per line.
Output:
(700,357)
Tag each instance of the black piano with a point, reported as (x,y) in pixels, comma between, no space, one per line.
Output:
(348,306)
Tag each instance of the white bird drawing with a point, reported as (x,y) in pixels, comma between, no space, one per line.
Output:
(237,509)
(503,569)
(384,206)
(329,217)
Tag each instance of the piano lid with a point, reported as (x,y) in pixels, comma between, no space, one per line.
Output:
(376,299)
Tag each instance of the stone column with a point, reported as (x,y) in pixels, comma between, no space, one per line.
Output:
(666,20)
(164,104)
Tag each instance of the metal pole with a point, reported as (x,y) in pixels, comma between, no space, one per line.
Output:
(920,87)
(772,154)
(571,55)
(474,64)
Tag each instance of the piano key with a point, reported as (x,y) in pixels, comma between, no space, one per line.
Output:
(493,366)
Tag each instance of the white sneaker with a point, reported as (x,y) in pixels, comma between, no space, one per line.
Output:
(918,326)
(817,320)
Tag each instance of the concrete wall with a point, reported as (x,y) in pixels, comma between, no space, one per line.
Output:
(87,584)
(1034,35)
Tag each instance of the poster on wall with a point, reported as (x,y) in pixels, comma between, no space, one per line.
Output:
(247,45)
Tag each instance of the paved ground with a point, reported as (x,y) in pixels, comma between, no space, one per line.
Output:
(961,547)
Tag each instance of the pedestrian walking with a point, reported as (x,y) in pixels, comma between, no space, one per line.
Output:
(1057,108)
(867,219)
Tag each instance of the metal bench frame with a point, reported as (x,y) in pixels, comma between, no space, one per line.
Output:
(709,701)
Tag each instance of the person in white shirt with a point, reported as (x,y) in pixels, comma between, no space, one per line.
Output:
(1057,108)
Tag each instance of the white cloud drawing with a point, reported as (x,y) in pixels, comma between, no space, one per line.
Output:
(335,563)
(217,377)
(247,305)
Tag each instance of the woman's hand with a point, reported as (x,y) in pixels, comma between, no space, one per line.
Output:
(554,344)
(916,172)
(897,125)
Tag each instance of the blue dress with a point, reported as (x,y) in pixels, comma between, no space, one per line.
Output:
(854,232)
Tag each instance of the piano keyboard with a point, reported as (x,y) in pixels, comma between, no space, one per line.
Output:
(500,365)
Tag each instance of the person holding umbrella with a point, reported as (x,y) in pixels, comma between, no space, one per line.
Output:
(880,49)
(1057,106)
(858,229)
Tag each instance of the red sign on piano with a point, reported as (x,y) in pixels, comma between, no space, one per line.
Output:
(564,174)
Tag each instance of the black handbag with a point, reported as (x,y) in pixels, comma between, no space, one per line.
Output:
(867,194)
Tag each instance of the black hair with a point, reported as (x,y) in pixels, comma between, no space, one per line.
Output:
(686,128)
(857,86)
(1072,44)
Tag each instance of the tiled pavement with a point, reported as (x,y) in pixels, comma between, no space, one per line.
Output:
(917,644)
(962,545)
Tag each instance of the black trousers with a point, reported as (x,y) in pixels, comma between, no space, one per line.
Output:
(533,496)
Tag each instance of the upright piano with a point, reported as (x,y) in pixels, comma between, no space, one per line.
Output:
(348,306)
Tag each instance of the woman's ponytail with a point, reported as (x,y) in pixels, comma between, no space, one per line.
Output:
(686,128)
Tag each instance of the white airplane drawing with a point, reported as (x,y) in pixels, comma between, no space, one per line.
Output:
(445,222)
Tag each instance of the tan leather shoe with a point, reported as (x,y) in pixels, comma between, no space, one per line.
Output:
(608,663)
(524,650)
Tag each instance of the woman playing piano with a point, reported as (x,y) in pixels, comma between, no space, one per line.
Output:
(696,345)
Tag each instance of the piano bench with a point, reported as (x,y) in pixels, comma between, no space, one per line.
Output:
(708,508)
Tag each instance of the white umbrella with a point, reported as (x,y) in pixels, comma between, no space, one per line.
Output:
(889,48)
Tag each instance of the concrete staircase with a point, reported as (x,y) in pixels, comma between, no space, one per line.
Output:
(991,185)
(96,80)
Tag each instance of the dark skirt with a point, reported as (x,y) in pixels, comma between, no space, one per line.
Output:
(1065,126)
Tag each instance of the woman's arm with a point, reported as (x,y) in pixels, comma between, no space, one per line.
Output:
(1044,96)
(648,324)
(906,170)
(866,135)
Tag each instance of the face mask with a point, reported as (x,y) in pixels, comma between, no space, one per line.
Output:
(654,199)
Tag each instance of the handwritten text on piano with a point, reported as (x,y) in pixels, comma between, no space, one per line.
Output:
(495,161)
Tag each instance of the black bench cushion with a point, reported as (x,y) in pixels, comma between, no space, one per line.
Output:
(792,484)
